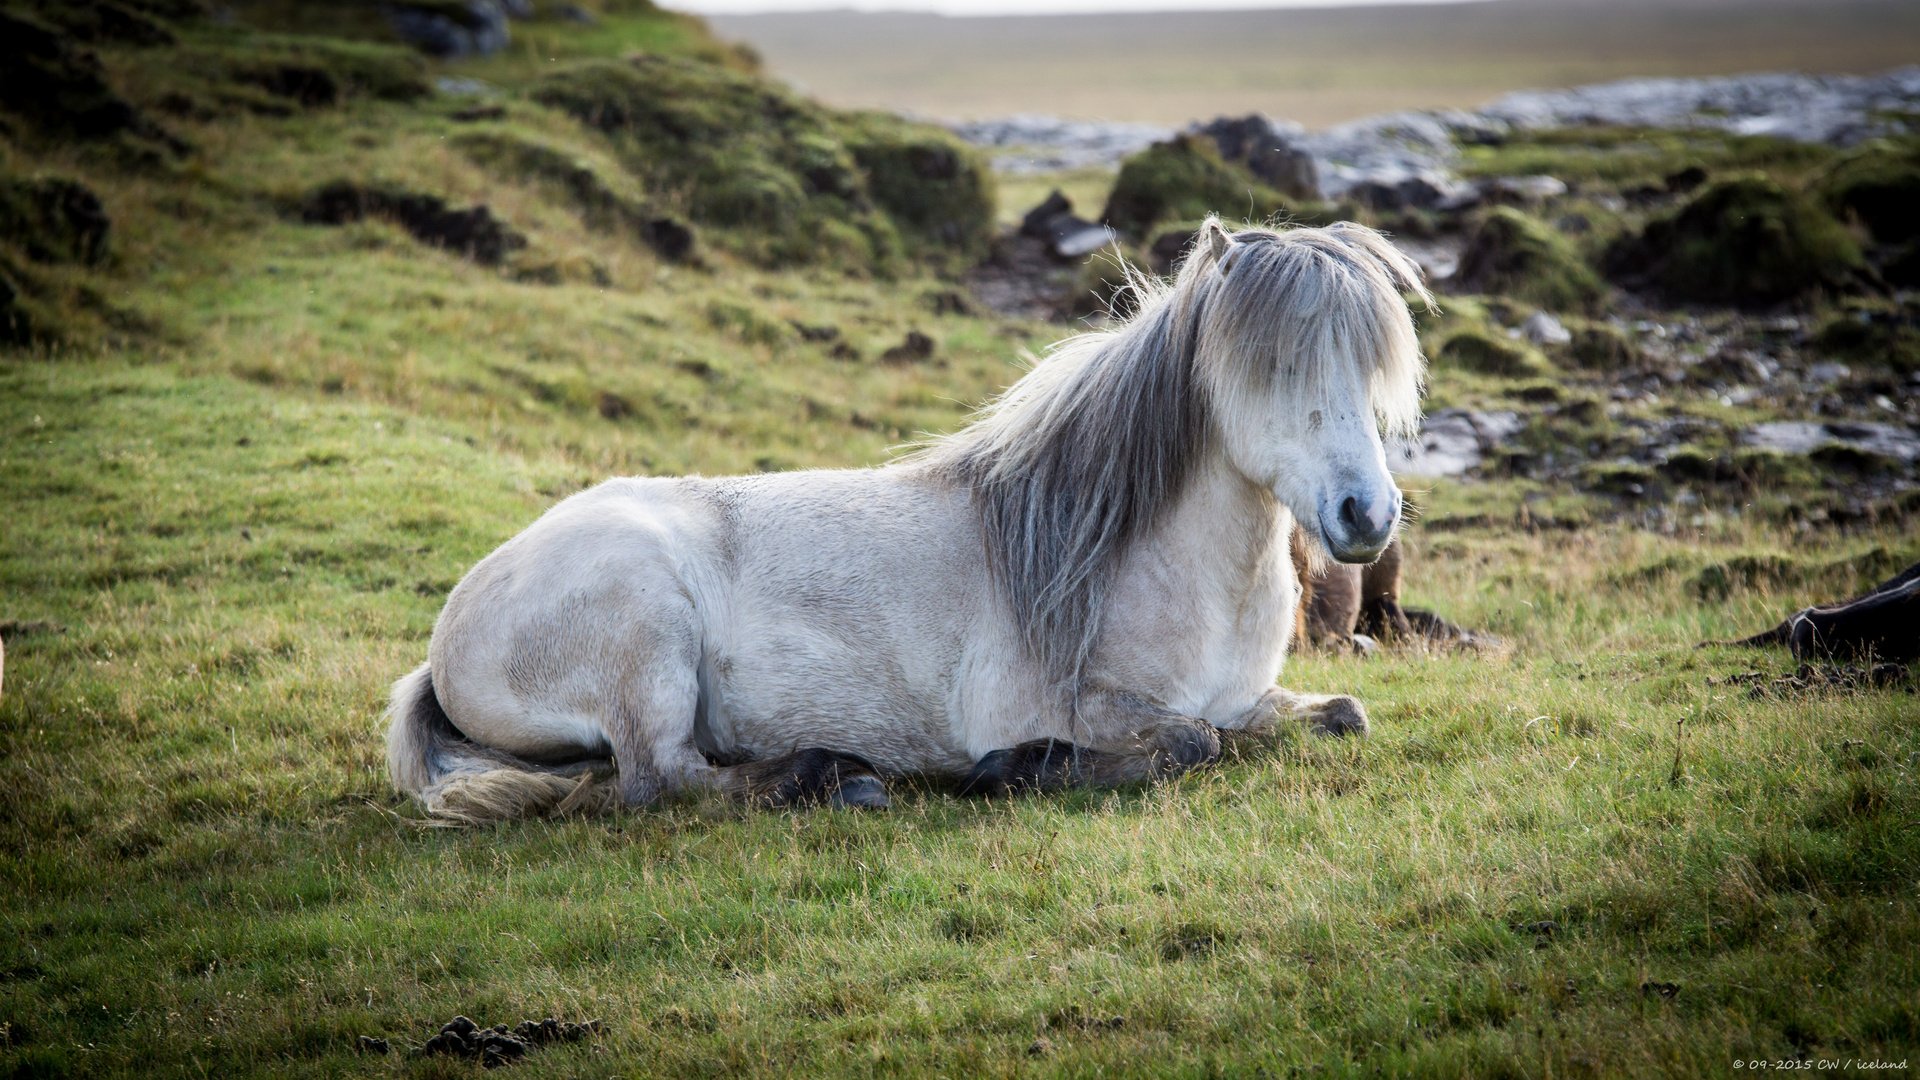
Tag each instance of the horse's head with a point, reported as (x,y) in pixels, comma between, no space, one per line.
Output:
(1309,357)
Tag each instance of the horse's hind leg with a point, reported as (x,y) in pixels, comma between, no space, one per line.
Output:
(1130,740)
(812,777)
(1323,714)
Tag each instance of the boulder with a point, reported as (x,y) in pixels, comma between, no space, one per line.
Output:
(452,29)
(1270,149)
(1067,236)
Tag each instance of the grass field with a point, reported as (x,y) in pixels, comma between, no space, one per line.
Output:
(1319,66)
(232,513)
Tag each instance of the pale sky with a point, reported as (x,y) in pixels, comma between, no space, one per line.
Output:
(1007,7)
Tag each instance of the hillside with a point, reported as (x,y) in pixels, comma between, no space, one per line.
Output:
(300,323)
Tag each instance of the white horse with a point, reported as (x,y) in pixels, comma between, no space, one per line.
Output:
(1080,586)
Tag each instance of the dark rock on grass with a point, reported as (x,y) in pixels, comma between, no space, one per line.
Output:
(451,28)
(473,232)
(916,349)
(1067,235)
(1745,241)
(1514,254)
(1270,151)
(1877,185)
(47,78)
(1181,179)
(368,1044)
(54,220)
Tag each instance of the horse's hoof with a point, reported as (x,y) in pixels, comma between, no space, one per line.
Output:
(1340,717)
(1190,746)
(860,793)
(987,776)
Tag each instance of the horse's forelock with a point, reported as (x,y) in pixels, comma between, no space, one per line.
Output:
(1088,451)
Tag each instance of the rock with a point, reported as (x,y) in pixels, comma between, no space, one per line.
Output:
(1451,442)
(1543,329)
(1530,189)
(1804,437)
(1838,109)
(452,30)
(474,232)
(54,220)
(1827,374)
(1040,1047)
(917,348)
(1271,149)
(367,1044)
(1067,236)
(1048,143)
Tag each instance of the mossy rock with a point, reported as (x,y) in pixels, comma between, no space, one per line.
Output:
(1877,185)
(1185,179)
(1490,354)
(1600,346)
(1745,240)
(1515,254)
(776,169)
(938,190)
(53,220)
(1875,333)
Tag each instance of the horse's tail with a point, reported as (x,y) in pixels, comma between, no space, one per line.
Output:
(461,782)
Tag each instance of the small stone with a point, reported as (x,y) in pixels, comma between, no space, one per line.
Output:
(1040,1046)
(1543,329)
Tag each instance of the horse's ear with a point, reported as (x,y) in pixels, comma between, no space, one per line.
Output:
(1217,238)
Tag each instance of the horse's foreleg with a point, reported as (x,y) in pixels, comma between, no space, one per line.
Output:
(1128,739)
(1323,714)
(813,777)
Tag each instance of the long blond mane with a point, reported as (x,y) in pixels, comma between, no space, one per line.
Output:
(1085,454)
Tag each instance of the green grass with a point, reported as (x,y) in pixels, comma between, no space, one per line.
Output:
(202,867)
(243,484)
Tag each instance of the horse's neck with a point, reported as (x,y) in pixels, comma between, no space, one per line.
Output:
(1226,533)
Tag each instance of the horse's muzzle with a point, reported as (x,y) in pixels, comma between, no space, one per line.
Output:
(1360,530)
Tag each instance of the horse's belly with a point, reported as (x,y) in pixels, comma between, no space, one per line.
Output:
(771,693)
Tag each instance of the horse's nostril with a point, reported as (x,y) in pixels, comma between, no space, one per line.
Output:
(1350,515)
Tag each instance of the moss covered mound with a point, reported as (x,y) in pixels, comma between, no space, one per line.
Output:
(1181,179)
(1516,255)
(1878,185)
(53,220)
(1747,241)
(798,183)
(1487,354)
(938,192)
(1874,334)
